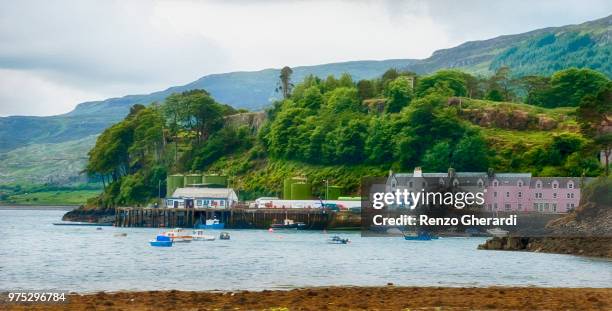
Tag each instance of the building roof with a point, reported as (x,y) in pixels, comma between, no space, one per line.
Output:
(197,192)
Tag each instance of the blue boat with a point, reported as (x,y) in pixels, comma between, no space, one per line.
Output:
(211,224)
(161,241)
(421,236)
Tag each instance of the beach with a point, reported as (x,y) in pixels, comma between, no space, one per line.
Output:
(345,298)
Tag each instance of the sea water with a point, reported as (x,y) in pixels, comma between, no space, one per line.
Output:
(36,255)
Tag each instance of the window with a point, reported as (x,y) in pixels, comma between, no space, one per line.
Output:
(568,195)
(546,206)
(495,194)
(494,206)
(495,183)
(554,207)
(538,184)
(520,194)
(554,195)
(520,183)
(410,184)
(393,184)
(222,202)
(570,185)
(520,207)
(535,206)
(441,181)
(555,184)
(572,195)
(507,207)
(507,194)
(480,183)
(456,183)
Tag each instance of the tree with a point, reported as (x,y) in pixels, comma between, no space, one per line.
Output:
(570,86)
(399,94)
(471,154)
(437,158)
(537,88)
(502,84)
(594,115)
(284,87)
(365,89)
(452,79)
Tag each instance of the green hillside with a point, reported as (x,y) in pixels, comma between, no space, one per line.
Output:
(539,52)
(340,130)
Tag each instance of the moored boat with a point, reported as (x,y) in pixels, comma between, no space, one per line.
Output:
(338,240)
(289,224)
(178,235)
(497,232)
(211,224)
(198,235)
(224,236)
(421,236)
(161,241)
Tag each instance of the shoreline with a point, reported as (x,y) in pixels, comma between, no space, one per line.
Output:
(343,298)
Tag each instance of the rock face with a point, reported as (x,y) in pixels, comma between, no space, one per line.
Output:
(83,214)
(253,120)
(586,246)
(508,119)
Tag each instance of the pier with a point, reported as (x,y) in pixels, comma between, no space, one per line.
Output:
(234,218)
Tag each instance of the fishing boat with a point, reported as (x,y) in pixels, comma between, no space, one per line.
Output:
(224,236)
(497,232)
(178,235)
(211,224)
(421,236)
(289,224)
(338,240)
(198,235)
(161,241)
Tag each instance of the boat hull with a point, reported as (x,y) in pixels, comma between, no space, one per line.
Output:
(161,243)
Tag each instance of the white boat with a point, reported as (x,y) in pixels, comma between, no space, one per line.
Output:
(178,235)
(198,235)
(497,232)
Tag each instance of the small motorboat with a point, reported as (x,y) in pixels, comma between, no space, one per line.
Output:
(198,235)
(161,241)
(497,232)
(338,240)
(289,224)
(224,236)
(421,236)
(211,224)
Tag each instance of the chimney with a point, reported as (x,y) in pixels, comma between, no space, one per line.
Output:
(417,172)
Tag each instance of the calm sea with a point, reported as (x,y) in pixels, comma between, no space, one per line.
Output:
(34,254)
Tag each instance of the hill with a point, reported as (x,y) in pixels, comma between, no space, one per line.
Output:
(540,51)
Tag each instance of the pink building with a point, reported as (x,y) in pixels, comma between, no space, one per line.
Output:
(503,191)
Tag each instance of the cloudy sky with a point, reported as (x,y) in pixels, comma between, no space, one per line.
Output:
(56,54)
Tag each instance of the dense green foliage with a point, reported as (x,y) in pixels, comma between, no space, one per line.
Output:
(340,129)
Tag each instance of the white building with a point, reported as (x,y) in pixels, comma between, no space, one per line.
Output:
(194,197)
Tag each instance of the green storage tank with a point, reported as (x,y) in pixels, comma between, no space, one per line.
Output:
(334,192)
(301,191)
(214,180)
(287,182)
(192,179)
(173,182)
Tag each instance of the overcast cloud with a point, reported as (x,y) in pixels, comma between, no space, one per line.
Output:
(56,54)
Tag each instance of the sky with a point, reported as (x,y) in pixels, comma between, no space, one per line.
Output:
(56,54)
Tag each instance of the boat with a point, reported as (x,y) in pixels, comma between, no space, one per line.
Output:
(178,235)
(161,241)
(198,235)
(289,224)
(224,236)
(211,224)
(498,232)
(421,236)
(338,240)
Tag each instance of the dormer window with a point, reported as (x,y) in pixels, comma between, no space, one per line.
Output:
(480,183)
(555,184)
(520,183)
(410,184)
(495,183)
(570,185)
(441,181)
(455,183)
(539,184)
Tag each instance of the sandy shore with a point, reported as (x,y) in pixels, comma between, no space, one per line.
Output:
(346,298)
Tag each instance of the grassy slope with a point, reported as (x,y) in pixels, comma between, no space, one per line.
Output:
(62,197)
